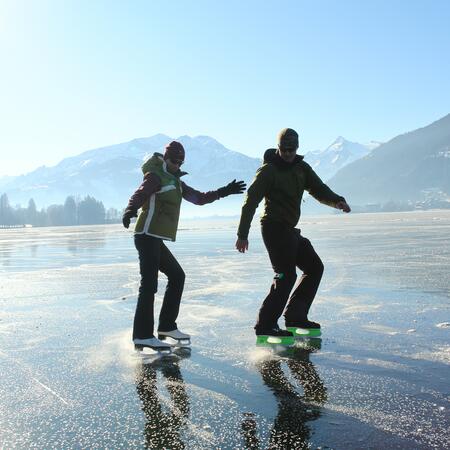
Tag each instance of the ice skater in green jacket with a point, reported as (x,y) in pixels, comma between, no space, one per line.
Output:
(281,181)
(159,197)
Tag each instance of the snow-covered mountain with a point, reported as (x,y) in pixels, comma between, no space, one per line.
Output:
(112,173)
(340,153)
(411,167)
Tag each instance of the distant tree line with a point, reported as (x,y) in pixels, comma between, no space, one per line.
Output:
(87,211)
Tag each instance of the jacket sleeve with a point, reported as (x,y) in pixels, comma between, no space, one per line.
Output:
(150,185)
(197,197)
(319,190)
(255,193)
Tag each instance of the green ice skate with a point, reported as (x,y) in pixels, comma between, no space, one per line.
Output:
(274,337)
(269,341)
(304,332)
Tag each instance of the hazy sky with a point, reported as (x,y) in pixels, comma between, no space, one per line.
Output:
(77,75)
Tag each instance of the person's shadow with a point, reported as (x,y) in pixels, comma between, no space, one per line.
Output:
(295,408)
(163,423)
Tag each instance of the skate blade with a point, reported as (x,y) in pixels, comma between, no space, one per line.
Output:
(146,350)
(180,343)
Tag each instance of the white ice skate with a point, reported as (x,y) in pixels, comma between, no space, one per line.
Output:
(154,344)
(175,338)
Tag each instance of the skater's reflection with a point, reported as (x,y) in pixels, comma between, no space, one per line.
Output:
(295,408)
(163,419)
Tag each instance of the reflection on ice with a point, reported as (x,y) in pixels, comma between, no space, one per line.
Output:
(290,427)
(163,426)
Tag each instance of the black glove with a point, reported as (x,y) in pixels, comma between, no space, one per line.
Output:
(127,215)
(235,187)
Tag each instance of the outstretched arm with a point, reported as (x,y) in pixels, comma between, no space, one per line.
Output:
(201,198)
(198,197)
(321,192)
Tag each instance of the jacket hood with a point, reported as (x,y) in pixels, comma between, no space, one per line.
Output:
(156,163)
(272,157)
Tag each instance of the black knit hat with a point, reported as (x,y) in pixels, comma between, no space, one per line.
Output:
(288,138)
(174,151)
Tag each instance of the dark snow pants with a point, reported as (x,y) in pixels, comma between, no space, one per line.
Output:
(288,250)
(154,256)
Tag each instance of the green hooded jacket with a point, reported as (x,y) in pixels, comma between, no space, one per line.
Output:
(282,185)
(160,213)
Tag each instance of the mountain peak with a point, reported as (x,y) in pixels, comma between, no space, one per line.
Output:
(337,155)
(159,136)
(338,144)
(340,140)
(201,139)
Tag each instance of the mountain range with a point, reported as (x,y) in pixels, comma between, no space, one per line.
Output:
(409,167)
(412,167)
(111,174)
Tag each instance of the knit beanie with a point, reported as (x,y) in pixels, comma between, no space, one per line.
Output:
(288,138)
(174,151)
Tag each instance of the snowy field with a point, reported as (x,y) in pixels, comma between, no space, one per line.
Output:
(378,378)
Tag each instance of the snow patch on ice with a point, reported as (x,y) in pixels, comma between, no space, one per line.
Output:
(351,359)
(387,364)
(259,355)
(440,354)
(382,329)
(216,289)
(195,313)
(360,309)
(114,348)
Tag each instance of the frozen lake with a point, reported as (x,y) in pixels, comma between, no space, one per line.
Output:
(378,378)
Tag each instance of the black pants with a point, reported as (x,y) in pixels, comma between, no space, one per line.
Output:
(154,256)
(287,251)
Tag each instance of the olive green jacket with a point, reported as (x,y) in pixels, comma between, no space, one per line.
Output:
(282,185)
(160,213)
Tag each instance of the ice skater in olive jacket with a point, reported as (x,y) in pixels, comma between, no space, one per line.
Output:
(160,197)
(281,181)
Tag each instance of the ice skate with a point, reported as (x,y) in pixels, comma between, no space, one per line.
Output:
(304,329)
(154,344)
(175,338)
(274,337)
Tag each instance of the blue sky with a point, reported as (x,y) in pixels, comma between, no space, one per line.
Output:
(82,74)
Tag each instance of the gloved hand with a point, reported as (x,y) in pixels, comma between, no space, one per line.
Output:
(235,187)
(127,215)
(344,206)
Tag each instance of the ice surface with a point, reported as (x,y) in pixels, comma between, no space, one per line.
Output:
(378,378)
